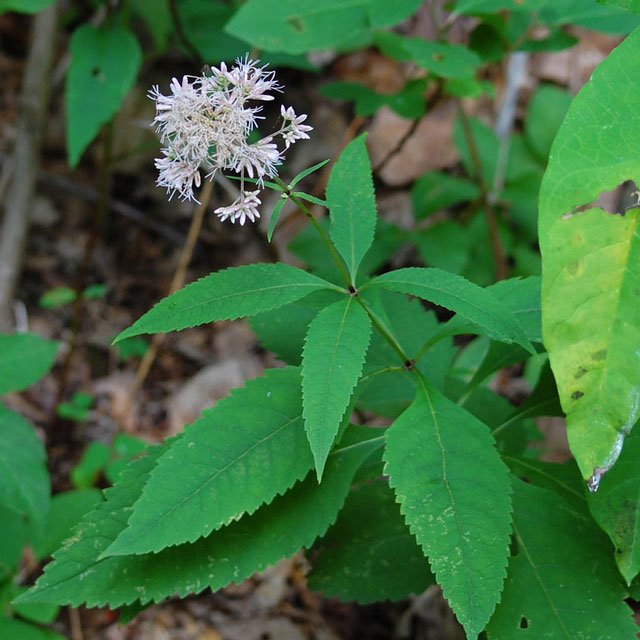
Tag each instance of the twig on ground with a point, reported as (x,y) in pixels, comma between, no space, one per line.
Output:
(20,192)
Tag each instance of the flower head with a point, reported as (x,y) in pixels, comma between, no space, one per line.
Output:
(204,124)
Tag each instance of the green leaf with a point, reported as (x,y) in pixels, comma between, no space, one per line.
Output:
(231,554)
(24,6)
(384,13)
(14,532)
(445,245)
(57,297)
(24,359)
(298,26)
(442,58)
(572,590)
(104,66)
(591,262)
(283,330)
(67,509)
(457,294)
(351,201)
(204,22)
(332,359)
(93,460)
(19,630)
(435,191)
(629,5)
(275,214)
(157,17)
(226,295)
(378,561)
(545,112)
(308,171)
(616,508)
(242,453)
(25,485)
(443,465)
(40,612)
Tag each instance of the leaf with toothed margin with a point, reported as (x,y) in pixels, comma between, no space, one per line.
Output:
(242,453)
(332,360)
(76,575)
(352,204)
(591,263)
(453,292)
(226,295)
(555,590)
(444,467)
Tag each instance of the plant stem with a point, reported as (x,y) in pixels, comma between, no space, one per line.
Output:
(176,283)
(499,260)
(325,238)
(177,23)
(406,361)
(102,209)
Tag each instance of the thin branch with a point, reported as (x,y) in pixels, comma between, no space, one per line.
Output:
(20,193)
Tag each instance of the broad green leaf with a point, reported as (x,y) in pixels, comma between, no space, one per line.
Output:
(41,612)
(18,630)
(94,459)
(378,560)
(629,5)
(443,465)
(616,508)
(572,590)
(298,26)
(332,359)
(277,530)
(591,262)
(226,295)
(473,303)
(435,190)
(157,18)
(24,359)
(384,13)
(545,112)
(14,532)
(25,484)
(352,204)
(104,66)
(203,22)
(24,6)
(66,511)
(242,453)
(445,245)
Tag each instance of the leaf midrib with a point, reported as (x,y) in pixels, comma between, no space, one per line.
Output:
(202,487)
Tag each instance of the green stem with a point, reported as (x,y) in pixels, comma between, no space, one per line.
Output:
(407,362)
(325,238)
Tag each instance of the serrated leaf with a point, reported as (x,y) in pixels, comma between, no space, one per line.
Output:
(448,290)
(443,465)
(242,453)
(572,590)
(308,171)
(616,508)
(352,204)
(25,484)
(24,359)
(378,561)
(104,66)
(231,554)
(283,330)
(332,359)
(226,295)
(591,262)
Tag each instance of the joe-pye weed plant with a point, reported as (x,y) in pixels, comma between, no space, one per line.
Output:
(445,494)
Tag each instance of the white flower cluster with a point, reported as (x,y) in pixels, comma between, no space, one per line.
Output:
(204,125)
